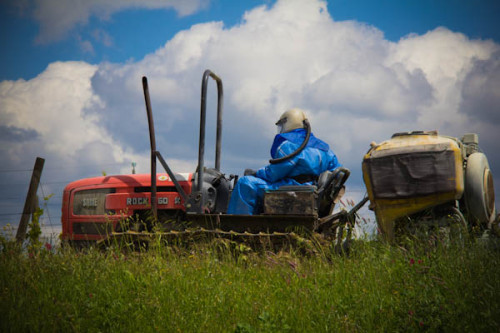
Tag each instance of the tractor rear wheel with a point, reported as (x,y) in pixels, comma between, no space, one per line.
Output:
(479,190)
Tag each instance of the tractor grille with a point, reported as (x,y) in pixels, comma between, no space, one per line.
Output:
(91,202)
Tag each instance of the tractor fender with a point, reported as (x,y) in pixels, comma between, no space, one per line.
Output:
(479,191)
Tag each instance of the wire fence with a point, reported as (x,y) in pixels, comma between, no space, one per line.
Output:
(13,191)
(49,220)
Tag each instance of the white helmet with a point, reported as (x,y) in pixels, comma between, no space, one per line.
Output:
(290,120)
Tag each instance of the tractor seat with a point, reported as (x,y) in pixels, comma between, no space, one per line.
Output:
(330,186)
(306,199)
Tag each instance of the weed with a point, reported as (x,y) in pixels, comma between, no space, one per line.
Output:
(223,286)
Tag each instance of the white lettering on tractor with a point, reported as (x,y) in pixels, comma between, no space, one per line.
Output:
(137,201)
(89,202)
(145,201)
(177,200)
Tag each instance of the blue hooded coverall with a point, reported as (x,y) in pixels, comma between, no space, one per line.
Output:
(315,158)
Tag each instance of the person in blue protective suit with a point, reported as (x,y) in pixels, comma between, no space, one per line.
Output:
(298,158)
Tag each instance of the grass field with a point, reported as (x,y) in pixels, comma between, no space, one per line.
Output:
(377,288)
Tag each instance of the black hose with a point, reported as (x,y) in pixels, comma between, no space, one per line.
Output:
(302,146)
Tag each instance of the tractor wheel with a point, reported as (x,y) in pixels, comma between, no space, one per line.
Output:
(449,228)
(456,232)
(479,190)
(433,227)
(495,226)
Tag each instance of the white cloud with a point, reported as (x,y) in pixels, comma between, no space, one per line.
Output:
(86,46)
(357,87)
(57,17)
(102,37)
(481,95)
(51,106)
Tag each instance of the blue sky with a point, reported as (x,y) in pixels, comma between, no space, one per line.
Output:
(136,32)
(70,80)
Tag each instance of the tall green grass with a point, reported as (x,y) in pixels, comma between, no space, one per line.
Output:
(226,289)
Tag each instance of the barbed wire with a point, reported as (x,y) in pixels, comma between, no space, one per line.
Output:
(66,168)
(24,197)
(19,184)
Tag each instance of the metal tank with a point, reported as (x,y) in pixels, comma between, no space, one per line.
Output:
(419,171)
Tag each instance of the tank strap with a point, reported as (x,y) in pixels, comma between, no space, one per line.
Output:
(302,179)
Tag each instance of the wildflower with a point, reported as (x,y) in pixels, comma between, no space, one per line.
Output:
(91,295)
(48,246)
(412,261)
(420,261)
(421,324)
(411,313)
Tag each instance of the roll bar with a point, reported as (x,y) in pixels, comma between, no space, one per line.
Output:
(156,154)
(201,151)
(197,201)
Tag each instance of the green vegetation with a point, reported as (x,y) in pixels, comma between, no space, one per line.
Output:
(218,288)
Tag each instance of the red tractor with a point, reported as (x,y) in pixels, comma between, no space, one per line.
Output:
(94,207)
(175,205)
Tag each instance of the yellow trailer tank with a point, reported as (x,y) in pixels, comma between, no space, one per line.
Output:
(411,172)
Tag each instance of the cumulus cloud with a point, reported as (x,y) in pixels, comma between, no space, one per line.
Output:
(102,37)
(44,117)
(357,87)
(57,17)
(481,96)
(12,134)
(86,46)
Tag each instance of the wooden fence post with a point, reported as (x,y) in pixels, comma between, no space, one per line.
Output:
(30,198)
